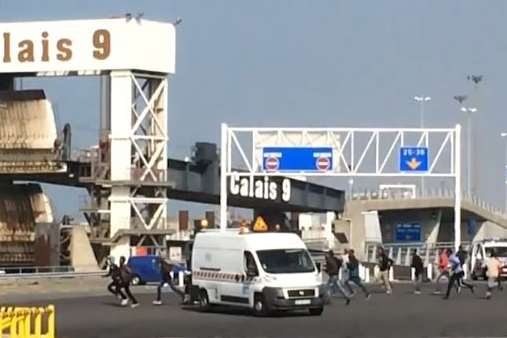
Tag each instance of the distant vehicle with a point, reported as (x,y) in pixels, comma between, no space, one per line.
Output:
(146,269)
(481,251)
(263,271)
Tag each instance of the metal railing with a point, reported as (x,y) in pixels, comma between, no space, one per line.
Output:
(401,253)
(23,272)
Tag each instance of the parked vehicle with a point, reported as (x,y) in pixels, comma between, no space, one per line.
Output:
(481,251)
(146,269)
(262,271)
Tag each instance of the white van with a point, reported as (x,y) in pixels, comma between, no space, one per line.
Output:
(262,271)
(481,251)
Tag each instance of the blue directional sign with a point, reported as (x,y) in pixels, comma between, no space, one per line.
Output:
(408,232)
(414,159)
(297,159)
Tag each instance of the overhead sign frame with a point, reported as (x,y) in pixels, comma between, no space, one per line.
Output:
(351,158)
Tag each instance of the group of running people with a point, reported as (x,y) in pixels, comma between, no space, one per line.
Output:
(121,278)
(450,265)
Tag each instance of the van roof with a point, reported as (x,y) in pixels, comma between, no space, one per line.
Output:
(252,240)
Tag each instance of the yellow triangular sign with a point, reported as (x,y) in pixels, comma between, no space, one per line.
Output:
(260,225)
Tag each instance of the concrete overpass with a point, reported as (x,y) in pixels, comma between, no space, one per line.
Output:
(374,218)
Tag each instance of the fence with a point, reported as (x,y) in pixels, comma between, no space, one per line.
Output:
(27,322)
(401,254)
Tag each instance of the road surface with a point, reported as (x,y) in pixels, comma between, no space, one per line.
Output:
(401,314)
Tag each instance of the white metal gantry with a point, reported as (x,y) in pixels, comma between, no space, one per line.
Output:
(133,57)
(357,152)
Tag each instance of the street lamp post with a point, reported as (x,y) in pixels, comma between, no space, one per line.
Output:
(504,136)
(469,111)
(420,100)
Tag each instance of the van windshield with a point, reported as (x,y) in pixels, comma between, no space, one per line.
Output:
(285,261)
(501,251)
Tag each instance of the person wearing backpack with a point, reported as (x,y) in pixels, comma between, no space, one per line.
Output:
(115,286)
(125,279)
(333,266)
(384,264)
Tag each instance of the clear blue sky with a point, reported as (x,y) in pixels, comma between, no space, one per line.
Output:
(307,63)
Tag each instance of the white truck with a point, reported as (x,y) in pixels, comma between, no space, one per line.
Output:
(265,272)
(481,251)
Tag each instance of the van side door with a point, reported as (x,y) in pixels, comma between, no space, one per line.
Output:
(238,292)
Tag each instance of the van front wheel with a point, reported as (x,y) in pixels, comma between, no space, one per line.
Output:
(259,307)
(204,301)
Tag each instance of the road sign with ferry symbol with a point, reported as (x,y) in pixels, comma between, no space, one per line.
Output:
(414,159)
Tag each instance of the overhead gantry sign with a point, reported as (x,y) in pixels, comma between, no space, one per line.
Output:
(134,58)
(341,152)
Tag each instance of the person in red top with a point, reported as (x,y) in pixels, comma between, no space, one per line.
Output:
(443,267)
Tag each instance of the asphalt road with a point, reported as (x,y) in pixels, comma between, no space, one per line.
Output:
(401,314)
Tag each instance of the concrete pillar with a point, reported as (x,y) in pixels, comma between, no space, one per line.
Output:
(121,148)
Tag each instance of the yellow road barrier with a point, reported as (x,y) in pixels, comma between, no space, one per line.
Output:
(27,322)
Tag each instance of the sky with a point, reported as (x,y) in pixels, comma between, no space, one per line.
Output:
(307,64)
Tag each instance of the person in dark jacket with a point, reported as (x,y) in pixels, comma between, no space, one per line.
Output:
(126,278)
(417,265)
(462,255)
(353,267)
(166,278)
(115,286)
(333,266)
(384,263)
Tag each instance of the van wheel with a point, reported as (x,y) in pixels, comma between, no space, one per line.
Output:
(316,311)
(259,307)
(136,280)
(204,305)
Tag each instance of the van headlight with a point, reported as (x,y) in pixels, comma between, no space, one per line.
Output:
(269,278)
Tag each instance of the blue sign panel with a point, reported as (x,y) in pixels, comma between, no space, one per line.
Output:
(297,159)
(408,233)
(414,159)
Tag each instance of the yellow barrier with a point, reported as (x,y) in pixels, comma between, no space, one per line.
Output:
(27,322)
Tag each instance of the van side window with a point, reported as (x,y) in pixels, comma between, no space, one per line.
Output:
(250,264)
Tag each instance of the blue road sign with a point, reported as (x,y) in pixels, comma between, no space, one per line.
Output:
(414,159)
(408,232)
(297,159)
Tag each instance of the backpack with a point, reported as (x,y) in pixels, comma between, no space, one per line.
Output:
(126,274)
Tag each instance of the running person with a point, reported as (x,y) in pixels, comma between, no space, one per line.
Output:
(417,265)
(384,264)
(115,286)
(457,275)
(353,267)
(333,266)
(493,266)
(126,278)
(166,278)
(443,267)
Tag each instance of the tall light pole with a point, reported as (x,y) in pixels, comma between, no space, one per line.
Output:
(476,79)
(504,136)
(461,99)
(469,111)
(420,100)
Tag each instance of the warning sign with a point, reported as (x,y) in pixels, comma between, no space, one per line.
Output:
(260,225)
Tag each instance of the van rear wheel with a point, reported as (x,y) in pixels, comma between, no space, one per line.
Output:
(204,305)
